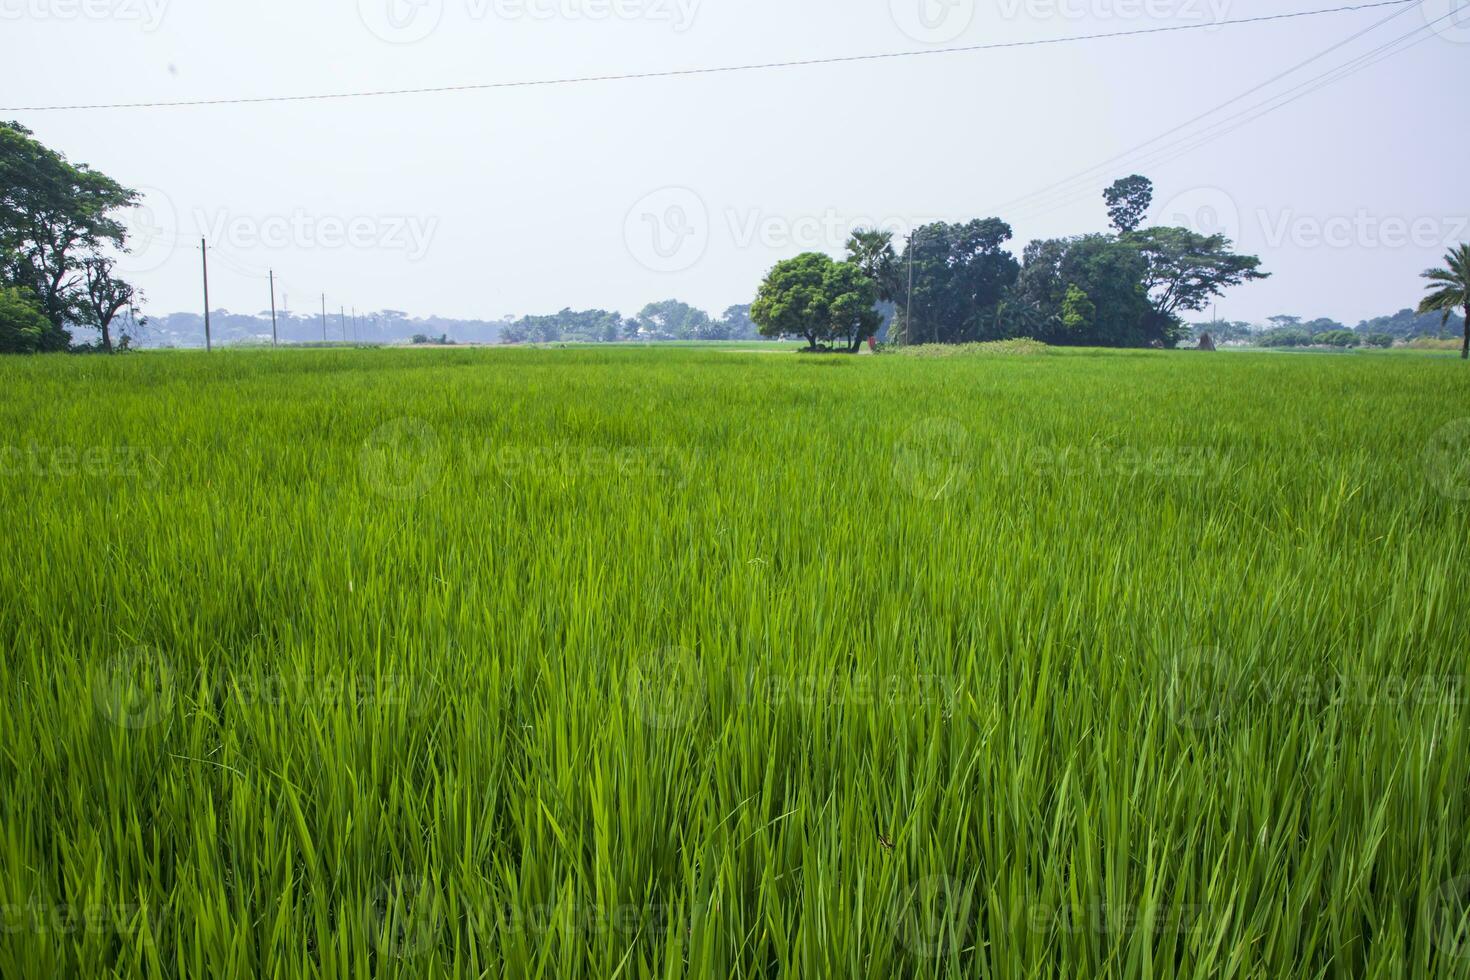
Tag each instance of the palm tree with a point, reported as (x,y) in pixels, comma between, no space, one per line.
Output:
(871,249)
(1451,290)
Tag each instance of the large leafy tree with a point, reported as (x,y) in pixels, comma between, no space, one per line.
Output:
(1450,289)
(53,215)
(1186,269)
(816,298)
(961,274)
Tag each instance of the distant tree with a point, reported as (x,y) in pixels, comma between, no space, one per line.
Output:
(1450,288)
(673,320)
(1186,269)
(817,299)
(1284,337)
(103,297)
(23,327)
(1128,201)
(1335,338)
(1406,323)
(52,215)
(738,324)
(1378,340)
(1282,321)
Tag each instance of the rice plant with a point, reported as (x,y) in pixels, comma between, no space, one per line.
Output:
(696,663)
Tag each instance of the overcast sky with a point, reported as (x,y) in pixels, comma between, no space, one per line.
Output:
(612,194)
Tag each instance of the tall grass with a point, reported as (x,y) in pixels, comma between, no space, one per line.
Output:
(637,663)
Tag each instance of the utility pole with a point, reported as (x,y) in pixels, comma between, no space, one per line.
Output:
(324,318)
(204,257)
(908,312)
(354,324)
(344,324)
(274,339)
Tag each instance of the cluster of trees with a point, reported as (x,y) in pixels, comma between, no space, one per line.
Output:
(668,319)
(60,235)
(1294,331)
(957,283)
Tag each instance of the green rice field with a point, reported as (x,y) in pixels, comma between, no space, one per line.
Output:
(634,663)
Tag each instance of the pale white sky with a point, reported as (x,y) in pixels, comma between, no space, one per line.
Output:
(614,194)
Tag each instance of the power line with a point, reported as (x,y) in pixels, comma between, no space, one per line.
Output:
(1223,127)
(726,69)
(1085,175)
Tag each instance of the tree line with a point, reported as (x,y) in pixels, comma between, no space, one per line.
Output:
(959,283)
(1131,286)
